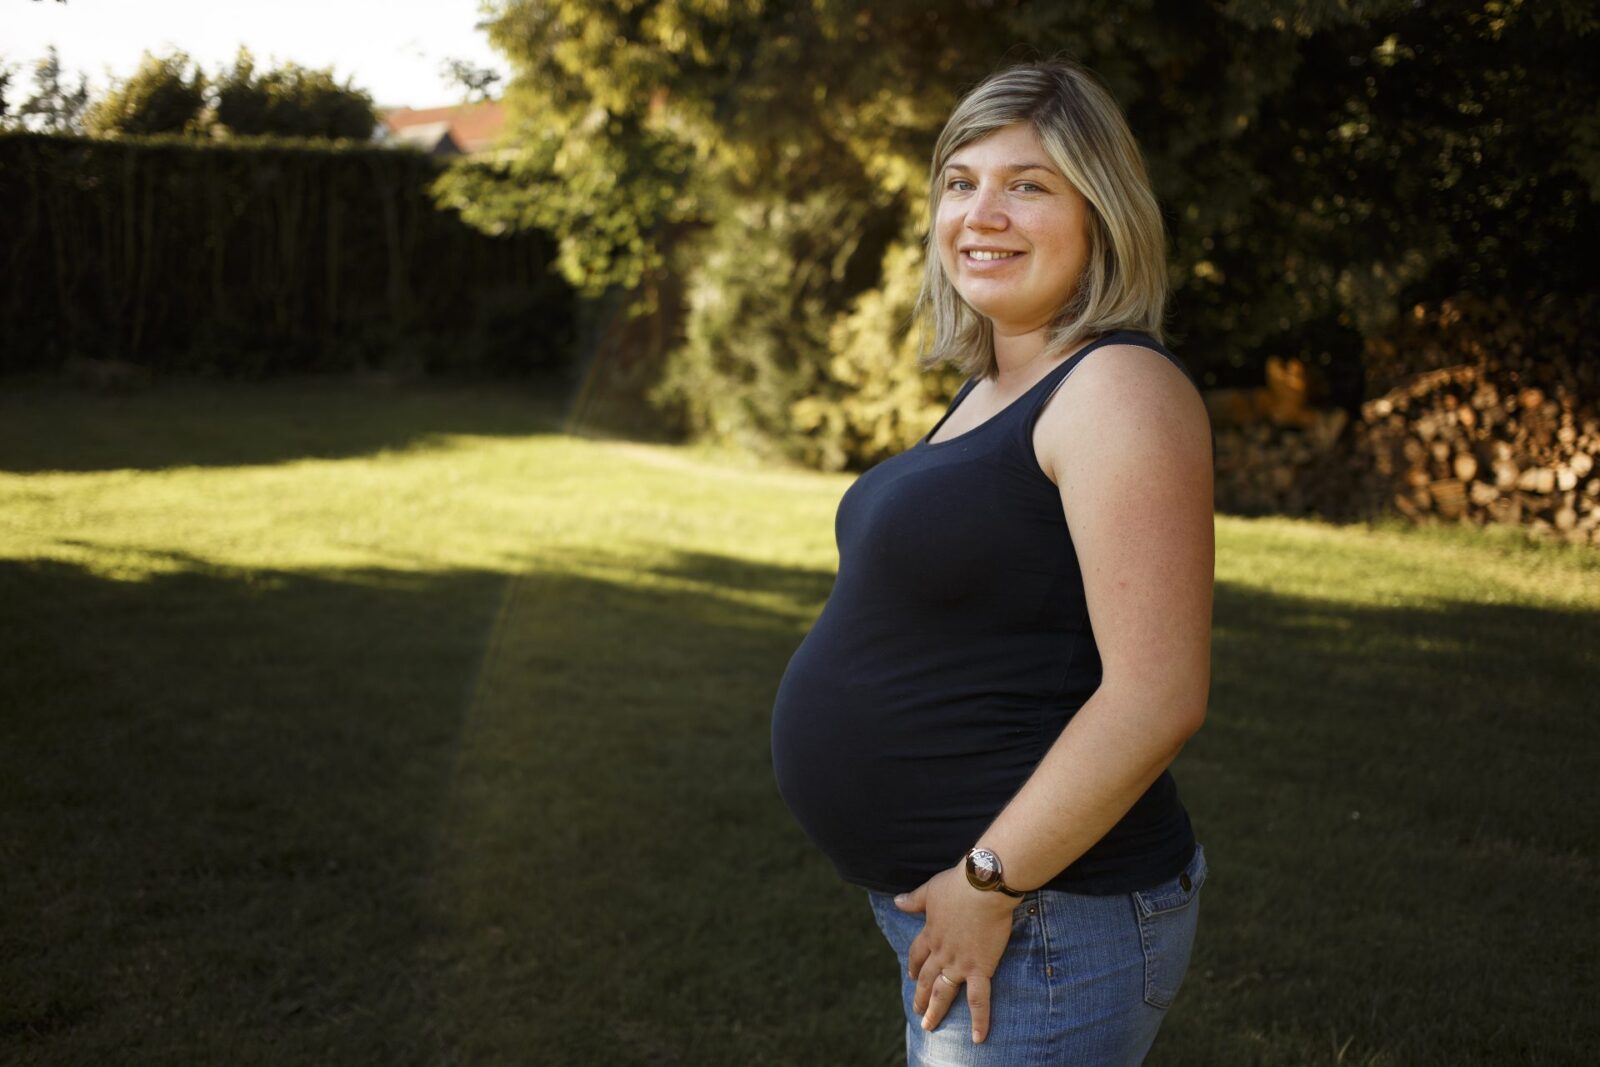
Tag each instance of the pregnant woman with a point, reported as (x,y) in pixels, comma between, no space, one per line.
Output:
(978,727)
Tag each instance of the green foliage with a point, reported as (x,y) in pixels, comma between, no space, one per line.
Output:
(799,211)
(251,257)
(290,101)
(6,73)
(754,320)
(604,196)
(1321,164)
(774,283)
(871,402)
(1423,153)
(162,96)
(478,82)
(54,106)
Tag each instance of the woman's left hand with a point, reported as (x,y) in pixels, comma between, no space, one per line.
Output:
(963,937)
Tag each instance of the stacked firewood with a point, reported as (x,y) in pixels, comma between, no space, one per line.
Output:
(1284,468)
(1278,451)
(1487,414)
(1473,443)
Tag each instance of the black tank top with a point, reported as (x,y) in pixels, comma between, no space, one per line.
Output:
(954,647)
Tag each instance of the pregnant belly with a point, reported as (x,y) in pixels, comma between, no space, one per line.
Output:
(894,783)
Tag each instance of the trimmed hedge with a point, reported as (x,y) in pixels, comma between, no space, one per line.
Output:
(256,257)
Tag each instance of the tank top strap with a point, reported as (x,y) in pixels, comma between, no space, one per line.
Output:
(1023,412)
(961,393)
(1023,431)
(1060,373)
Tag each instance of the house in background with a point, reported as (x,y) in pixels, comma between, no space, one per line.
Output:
(460,130)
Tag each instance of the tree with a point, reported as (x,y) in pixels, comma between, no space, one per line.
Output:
(65,101)
(7,71)
(477,81)
(53,107)
(290,101)
(1320,165)
(59,109)
(162,96)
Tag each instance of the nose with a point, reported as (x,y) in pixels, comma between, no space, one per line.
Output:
(986,210)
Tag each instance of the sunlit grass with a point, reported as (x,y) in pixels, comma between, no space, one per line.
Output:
(1394,564)
(447,502)
(365,727)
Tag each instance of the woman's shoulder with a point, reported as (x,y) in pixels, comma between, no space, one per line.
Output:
(1131,390)
(1132,338)
(1127,359)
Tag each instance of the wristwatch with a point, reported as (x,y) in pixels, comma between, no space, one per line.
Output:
(984,872)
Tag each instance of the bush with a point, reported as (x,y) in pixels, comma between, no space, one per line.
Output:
(250,258)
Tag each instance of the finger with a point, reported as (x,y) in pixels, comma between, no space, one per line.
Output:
(919,999)
(917,955)
(943,995)
(978,1006)
(911,901)
(928,983)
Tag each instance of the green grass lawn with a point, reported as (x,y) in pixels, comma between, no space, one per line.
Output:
(352,726)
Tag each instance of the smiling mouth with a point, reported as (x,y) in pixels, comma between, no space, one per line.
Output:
(981,256)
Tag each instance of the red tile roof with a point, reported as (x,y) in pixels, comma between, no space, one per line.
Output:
(473,127)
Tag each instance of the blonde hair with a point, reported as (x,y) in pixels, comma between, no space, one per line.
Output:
(1124,283)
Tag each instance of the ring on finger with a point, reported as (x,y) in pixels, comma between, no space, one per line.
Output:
(953,983)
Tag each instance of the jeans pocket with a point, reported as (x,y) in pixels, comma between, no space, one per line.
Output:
(1168,914)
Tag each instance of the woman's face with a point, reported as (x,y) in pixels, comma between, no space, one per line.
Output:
(1012,231)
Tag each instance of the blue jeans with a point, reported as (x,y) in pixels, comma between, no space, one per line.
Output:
(1085,980)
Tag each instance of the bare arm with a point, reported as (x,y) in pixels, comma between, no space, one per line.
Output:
(1127,441)
(1129,446)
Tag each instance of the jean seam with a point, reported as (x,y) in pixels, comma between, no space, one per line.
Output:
(1046,951)
(1141,919)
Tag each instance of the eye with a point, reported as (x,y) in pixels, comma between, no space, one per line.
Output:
(1030,187)
(954,183)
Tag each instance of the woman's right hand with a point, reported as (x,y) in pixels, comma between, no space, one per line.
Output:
(965,934)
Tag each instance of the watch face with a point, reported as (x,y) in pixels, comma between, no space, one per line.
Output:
(983,868)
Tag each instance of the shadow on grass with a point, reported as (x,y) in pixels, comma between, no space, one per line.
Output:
(216,791)
(368,818)
(269,817)
(198,424)
(1387,798)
